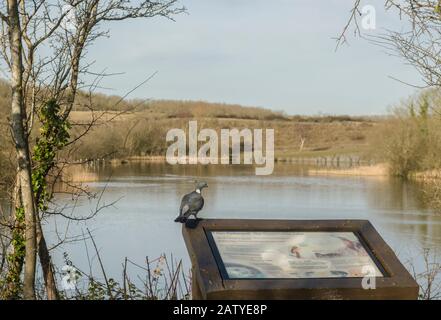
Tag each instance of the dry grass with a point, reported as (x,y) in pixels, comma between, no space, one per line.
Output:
(428,175)
(142,133)
(136,128)
(378,170)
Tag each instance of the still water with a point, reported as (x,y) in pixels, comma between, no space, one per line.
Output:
(148,196)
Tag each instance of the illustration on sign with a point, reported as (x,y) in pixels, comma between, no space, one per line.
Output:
(268,254)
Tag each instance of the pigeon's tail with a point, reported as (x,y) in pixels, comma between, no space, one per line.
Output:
(181,219)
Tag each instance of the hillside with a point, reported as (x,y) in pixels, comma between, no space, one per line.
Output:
(142,132)
(138,128)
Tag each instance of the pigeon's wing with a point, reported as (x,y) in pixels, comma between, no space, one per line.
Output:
(185,205)
(201,204)
(185,210)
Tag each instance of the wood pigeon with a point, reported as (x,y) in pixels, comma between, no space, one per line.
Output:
(191,203)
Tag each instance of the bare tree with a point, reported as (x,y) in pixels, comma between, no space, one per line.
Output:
(303,131)
(43,45)
(419,40)
(18,114)
(429,277)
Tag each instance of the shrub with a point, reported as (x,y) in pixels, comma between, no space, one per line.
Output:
(412,139)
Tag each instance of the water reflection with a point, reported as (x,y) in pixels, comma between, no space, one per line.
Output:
(141,223)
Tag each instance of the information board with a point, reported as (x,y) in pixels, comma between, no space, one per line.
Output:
(294,259)
(268,254)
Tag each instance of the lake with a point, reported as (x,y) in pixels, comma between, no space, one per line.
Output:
(141,223)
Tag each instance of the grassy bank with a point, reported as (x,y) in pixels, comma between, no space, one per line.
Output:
(142,133)
(378,170)
(136,129)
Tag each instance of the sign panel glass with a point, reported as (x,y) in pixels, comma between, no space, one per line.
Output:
(268,254)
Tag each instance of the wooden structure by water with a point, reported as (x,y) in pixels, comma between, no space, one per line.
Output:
(212,280)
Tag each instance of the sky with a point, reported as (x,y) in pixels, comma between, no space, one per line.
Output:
(275,54)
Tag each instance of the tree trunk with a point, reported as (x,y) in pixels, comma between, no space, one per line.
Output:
(16,253)
(18,117)
(302,143)
(46,264)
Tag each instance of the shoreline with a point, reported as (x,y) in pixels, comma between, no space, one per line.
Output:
(336,160)
(360,168)
(377,170)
